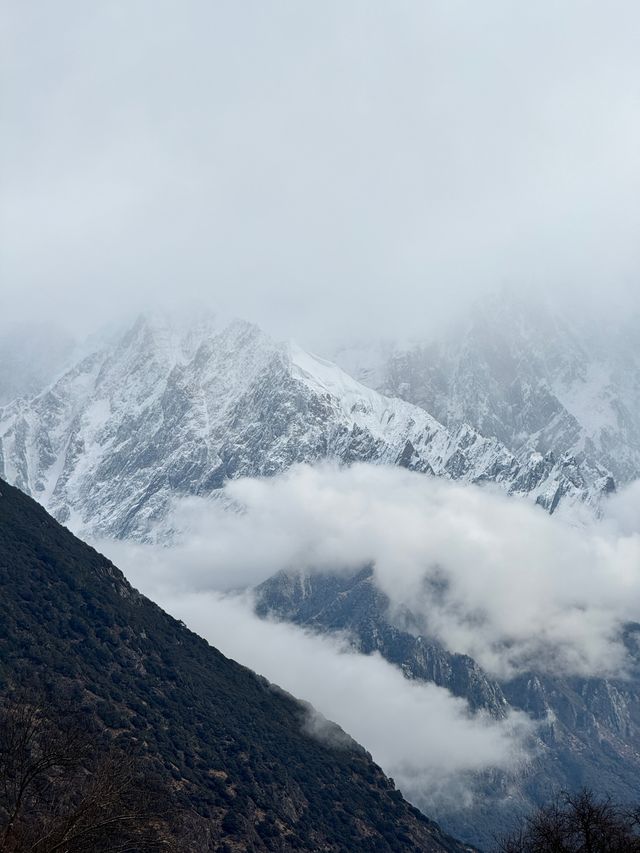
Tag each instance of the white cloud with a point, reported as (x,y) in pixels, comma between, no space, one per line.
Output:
(494,577)
(622,510)
(419,733)
(490,576)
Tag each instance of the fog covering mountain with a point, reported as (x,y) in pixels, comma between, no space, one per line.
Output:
(260,769)
(558,386)
(588,729)
(558,383)
(516,398)
(168,409)
(31,355)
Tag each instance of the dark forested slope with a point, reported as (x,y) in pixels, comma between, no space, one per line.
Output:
(234,748)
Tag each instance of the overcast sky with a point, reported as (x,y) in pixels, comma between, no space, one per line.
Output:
(323,168)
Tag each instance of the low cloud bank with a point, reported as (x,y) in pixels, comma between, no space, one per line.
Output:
(494,577)
(490,576)
(622,511)
(419,733)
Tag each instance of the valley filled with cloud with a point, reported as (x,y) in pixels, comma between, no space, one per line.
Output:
(489,576)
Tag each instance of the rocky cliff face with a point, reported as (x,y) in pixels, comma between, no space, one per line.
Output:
(165,411)
(560,387)
(353,602)
(588,729)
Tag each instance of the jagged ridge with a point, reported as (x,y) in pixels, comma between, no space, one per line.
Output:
(167,411)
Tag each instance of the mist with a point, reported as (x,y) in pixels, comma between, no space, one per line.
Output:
(487,575)
(420,734)
(328,171)
(342,174)
(490,576)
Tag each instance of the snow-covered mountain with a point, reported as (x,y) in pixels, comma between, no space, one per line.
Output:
(168,409)
(559,385)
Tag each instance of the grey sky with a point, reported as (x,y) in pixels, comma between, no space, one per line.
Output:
(324,168)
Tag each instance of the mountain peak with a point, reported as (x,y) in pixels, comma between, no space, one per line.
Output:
(172,409)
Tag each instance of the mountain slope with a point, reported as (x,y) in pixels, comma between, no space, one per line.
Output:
(167,411)
(236,748)
(588,728)
(353,602)
(538,381)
